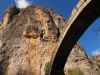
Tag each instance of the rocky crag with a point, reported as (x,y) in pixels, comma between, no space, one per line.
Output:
(28,38)
(81,64)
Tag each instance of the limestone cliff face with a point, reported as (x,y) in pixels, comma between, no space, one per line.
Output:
(28,38)
(78,60)
(95,59)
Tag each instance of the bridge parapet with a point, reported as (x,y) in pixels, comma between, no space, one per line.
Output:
(78,8)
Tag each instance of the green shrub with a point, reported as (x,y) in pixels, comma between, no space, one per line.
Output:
(46,66)
(75,71)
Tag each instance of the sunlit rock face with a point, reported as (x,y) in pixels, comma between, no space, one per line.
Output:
(28,39)
(78,61)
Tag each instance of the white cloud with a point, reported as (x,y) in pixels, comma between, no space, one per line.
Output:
(96,52)
(22,3)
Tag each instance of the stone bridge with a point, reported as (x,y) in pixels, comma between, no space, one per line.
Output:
(82,16)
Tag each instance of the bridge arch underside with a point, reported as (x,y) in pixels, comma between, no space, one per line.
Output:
(86,17)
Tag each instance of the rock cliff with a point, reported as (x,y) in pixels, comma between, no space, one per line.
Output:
(81,64)
(28,38)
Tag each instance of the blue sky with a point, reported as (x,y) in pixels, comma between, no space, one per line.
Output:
(90,40)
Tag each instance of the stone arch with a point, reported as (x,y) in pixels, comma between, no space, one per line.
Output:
(81,18)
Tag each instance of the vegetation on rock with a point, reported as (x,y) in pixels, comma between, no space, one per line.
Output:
(75,71)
